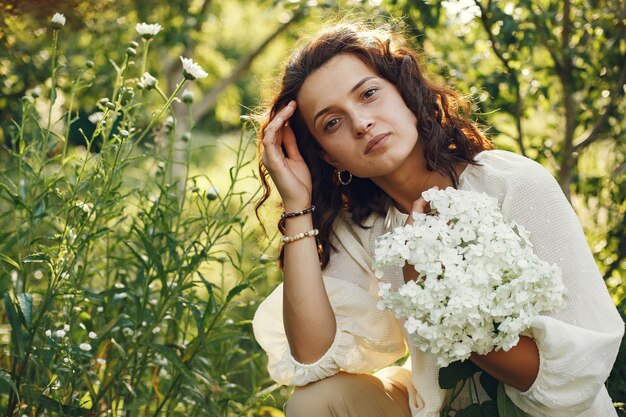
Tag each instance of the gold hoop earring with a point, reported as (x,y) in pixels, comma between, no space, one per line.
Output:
(340,178)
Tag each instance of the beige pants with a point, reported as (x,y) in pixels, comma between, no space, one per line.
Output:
(349,395)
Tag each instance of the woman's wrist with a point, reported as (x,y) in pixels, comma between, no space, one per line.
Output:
(298,224)
(296,206)
(290,214)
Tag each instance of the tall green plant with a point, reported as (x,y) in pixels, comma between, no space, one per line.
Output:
(122,285)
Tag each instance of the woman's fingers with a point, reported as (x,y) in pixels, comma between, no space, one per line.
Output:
(272,150)
(283,161)
(290,144)
(289,139)
(278,122)
(420,205)
(277,134)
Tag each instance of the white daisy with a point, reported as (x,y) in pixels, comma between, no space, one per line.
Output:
(191,70)
(96,117)
(148,81)
(58,21)
(148,31)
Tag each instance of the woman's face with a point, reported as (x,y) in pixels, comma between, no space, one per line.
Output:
(359,119)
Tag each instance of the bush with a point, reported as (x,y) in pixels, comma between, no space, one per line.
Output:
(128,272)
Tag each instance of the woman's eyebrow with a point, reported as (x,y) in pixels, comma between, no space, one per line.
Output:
(356,86)
(360,83)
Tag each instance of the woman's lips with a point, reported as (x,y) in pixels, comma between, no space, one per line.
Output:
(376,142)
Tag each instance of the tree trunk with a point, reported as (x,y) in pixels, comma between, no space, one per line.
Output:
(565,73)
(201,108)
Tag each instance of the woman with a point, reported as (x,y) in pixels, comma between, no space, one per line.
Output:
(359,131)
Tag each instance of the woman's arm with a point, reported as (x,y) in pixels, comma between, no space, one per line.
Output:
(366,337)
(307,314)
(517,367)
(309,319)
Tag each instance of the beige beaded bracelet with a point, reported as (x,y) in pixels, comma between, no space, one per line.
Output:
(298,236)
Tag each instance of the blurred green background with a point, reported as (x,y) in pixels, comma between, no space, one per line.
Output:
(547,77)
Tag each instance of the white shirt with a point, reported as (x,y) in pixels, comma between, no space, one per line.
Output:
(577,345)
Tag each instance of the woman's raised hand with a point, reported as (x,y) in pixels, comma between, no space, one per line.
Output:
(284,162)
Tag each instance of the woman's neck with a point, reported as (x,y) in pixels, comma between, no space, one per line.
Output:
(406,184)
(405,192)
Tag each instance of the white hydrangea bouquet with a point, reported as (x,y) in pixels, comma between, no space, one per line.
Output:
(480,283)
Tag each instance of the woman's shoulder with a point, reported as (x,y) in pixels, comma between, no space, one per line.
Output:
(499,170)
(508,163)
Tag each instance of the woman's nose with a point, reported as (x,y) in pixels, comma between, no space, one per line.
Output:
(362,125)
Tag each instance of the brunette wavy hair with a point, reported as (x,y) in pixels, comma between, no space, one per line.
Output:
(447,134)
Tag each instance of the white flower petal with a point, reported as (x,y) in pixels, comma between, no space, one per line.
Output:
(58,21)
(148,80)
(148,31)
(191,70)
(476,273)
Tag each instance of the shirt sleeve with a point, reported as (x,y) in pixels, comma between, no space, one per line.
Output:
(367,338)
(578,344)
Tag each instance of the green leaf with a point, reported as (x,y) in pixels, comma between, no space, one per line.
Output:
(53,405)
(153,254)
(485,409)
(473,410)
(489,384)
(129,388)
(98,233)
(170,355)
(26,306)
(5,188)
(199,322)
(5,378)
(236,290)
(10,261)
(489,409)
(35,257)
(455,372)
(211,303)
(506,408)
(16,325)
(40,209)
(137,254)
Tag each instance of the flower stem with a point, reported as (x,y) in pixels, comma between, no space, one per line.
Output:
(187,166)
(144,58)
(445,411)
(53,95)
(165,107)
(69,116)
(161,93)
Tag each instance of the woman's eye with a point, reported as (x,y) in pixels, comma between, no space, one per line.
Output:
(369,92)
(330,124)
